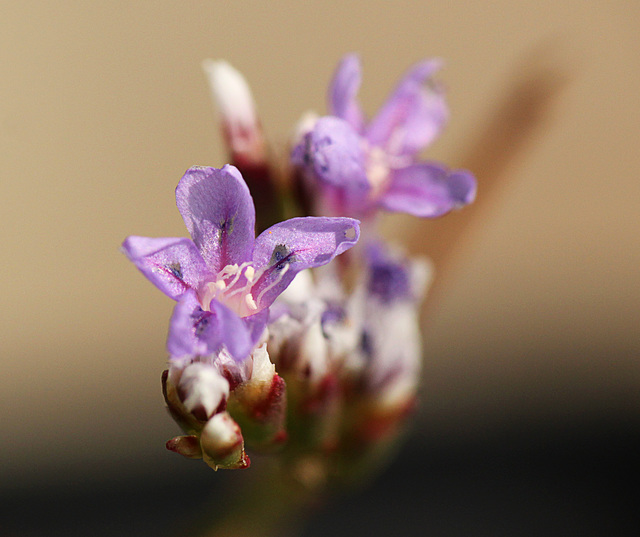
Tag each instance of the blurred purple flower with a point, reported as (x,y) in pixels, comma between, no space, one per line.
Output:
(362,166)
(225,279)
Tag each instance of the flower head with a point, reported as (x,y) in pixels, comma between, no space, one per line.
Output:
(223,278)
(361,167)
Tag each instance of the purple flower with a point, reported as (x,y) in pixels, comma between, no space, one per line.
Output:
(224,279)
(394,286)
(364,166)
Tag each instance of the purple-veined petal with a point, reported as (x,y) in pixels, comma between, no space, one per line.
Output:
(194,331)
(333,153)
(226,328)
(256,324)
(172,265)
(218,211)
(186,323)
(343,91)
(286,248)
(428,190)
(413,115)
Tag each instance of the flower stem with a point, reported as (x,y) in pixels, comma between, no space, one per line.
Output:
(270,502)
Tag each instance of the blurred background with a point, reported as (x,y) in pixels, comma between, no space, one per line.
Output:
(529,417)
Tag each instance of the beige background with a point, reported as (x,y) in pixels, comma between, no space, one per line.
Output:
(103,106)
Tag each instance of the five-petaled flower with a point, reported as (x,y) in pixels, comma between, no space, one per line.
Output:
(224,279)
(361,167)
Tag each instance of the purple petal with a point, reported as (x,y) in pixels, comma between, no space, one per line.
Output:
(218,211)
(389,277)
(184,327)
(332,151)
(414,114)
(256,325)
(194,331)
(343,91)
(229,330)
(172,265)
(428,190)
(297,244)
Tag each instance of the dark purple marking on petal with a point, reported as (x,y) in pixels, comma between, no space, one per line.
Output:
(388,279)
(187,323)
(333,314)
(286,248)
(172,265)
(194,331)
(218,211)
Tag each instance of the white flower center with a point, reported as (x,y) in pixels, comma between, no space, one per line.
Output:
(233,287)
(379,164)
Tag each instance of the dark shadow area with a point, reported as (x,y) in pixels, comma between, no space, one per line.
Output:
(574,478)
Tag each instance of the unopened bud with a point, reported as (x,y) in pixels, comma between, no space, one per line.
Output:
(203,390)
(241,127)
(259,404)
(222,443)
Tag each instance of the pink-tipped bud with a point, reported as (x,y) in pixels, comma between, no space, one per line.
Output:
(240,124)
(222,443)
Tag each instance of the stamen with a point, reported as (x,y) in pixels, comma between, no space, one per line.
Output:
(238,273)
(274,283)
(211,291)
(230,293)
(228,270)
(250,302)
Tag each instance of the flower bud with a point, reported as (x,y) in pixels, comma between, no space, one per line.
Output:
(259,404)
(203,390)
(240,124)
(222,443)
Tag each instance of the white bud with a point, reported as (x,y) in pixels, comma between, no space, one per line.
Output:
(263,370)
(222,443)
(203,386)
(231,93)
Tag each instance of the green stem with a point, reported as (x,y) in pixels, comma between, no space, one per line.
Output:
(271,502)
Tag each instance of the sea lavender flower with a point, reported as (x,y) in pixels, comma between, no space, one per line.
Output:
(322,373)
(394,287)
(224,279)
(360,167)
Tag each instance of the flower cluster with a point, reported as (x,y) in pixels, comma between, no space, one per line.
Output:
(273,346)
